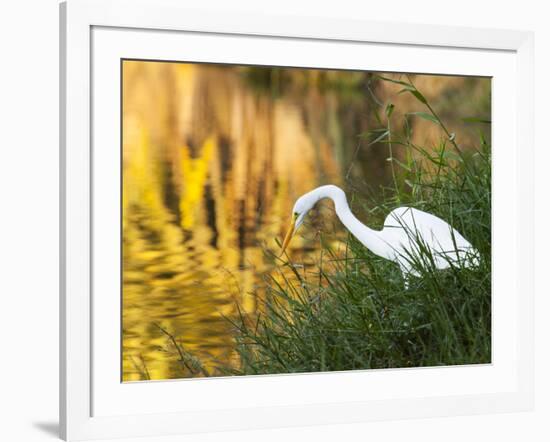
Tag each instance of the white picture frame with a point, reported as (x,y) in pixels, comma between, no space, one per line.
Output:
(95,35)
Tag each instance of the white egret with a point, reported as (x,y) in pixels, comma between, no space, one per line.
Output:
(407,235)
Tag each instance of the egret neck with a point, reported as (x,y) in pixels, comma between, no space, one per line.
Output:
(370,238)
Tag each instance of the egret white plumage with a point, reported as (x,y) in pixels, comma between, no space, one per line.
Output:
(407,237)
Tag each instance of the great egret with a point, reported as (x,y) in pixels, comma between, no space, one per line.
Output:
(407,235)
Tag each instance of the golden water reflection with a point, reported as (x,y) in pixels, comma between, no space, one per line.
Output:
(213,159)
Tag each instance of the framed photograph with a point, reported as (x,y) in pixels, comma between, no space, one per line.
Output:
(298,220)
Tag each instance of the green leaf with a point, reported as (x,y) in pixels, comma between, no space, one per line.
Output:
(476,120)
(391,80)
(379,137)
(425,116)
(406,89)
(415,92)
(419,96)
(389,110)
(395,142)
(401,164)
(371,133)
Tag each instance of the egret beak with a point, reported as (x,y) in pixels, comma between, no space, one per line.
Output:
(289,234)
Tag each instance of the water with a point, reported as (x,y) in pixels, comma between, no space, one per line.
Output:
(213,160)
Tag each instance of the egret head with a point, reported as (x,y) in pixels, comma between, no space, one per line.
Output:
(302,206)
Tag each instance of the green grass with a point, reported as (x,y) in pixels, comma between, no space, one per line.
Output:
(357,314)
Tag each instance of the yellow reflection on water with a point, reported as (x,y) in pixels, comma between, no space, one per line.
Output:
(213,160)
